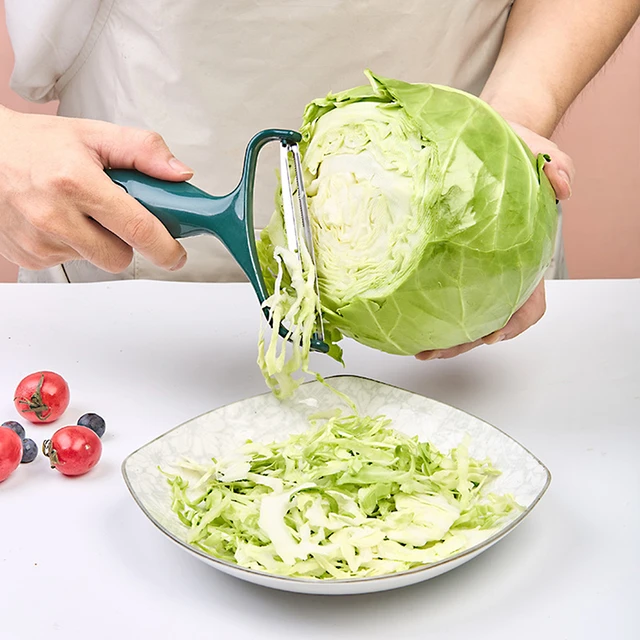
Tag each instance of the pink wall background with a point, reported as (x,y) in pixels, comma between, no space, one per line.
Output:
(601,132)
(8,271)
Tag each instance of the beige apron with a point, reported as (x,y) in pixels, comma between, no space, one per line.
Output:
(208,74)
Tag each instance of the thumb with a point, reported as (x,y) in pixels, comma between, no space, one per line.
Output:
(145,151)
(559,167)
(560,171)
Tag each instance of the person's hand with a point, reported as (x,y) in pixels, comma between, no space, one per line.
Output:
(58,204)
(560,172)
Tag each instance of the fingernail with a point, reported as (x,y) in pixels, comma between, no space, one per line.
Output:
(565,176)
(494,338)
(180,167)
(180,263)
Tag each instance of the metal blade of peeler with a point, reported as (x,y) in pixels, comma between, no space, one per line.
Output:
(290,225)
(296,220)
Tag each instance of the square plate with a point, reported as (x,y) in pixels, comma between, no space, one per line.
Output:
(265,418)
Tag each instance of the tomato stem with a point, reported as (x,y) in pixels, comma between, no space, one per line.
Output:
(50,453)
(35,404)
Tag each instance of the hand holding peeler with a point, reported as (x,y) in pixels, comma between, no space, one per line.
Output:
(187,211)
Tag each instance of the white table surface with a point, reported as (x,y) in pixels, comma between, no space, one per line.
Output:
(79,560)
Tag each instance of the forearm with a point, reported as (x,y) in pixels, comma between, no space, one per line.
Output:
(551,50)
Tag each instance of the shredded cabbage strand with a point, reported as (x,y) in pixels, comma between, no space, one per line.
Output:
(349,497)
(296,305)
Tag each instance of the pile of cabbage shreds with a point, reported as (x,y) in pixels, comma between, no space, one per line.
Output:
(350,497)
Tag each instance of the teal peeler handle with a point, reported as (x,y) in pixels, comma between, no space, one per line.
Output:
(187,211)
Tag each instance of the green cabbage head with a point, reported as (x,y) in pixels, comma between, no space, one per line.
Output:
(432,220)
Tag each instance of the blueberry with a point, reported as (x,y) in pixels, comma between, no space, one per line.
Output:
(15,426)
(29,451)
(94,422)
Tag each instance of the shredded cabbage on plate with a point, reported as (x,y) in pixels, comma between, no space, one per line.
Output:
(349,497)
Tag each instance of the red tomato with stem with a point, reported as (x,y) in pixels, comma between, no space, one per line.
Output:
(73,450)
(42,397)
(10,452)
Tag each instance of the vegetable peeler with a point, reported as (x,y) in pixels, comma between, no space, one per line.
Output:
(187,211)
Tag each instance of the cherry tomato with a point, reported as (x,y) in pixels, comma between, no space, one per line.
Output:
(73,450)
(10,452)
(42,397)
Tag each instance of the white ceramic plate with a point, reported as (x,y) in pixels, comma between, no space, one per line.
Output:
(265,418)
